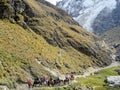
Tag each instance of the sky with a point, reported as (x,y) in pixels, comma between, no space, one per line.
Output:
(53,1)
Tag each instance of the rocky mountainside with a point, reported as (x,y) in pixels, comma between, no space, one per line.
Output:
(33,31)
(96,16)
(112,37)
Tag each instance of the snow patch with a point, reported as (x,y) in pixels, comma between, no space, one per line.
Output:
(53,1)
(88,3)
(111,4)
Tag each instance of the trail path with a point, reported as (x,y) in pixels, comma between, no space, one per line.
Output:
(4,88)
(56,73)
(91,70)
(88,72)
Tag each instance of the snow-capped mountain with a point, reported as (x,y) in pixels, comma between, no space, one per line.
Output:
(94,15)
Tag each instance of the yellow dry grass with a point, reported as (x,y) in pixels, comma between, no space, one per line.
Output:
(35,5)
(19,48)
(28,45)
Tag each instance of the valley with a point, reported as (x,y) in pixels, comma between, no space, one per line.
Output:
(38,38)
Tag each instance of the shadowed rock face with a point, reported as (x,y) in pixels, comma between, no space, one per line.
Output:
(40,31)
(107,22)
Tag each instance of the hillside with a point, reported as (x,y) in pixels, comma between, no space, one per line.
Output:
(112,37)
(35,30)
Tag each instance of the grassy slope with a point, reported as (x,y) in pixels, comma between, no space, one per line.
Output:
(112,36)
(19,48)
(56,23)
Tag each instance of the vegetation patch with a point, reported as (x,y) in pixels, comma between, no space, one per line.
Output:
(97,80)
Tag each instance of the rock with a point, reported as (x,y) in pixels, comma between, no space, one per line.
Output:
(67,65)
(58,65)
(113,80)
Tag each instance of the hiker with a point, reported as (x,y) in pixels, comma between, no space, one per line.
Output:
(37,81)
(72,77)
(51,78)
(58,79)
(67,77)
(29,83)
(44,78)
(50,81)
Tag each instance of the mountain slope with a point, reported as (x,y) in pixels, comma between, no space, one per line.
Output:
(96,16)
(35,30)
(113,38)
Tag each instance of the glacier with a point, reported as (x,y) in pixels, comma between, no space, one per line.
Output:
(86,11)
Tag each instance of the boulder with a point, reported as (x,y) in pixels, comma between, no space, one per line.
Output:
(113,80)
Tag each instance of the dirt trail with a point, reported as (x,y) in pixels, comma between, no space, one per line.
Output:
(88,72)
(91,70)
(4,88)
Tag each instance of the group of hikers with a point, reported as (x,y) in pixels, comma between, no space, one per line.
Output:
(44,81)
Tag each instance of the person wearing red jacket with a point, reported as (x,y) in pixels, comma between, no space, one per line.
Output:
(29,83)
